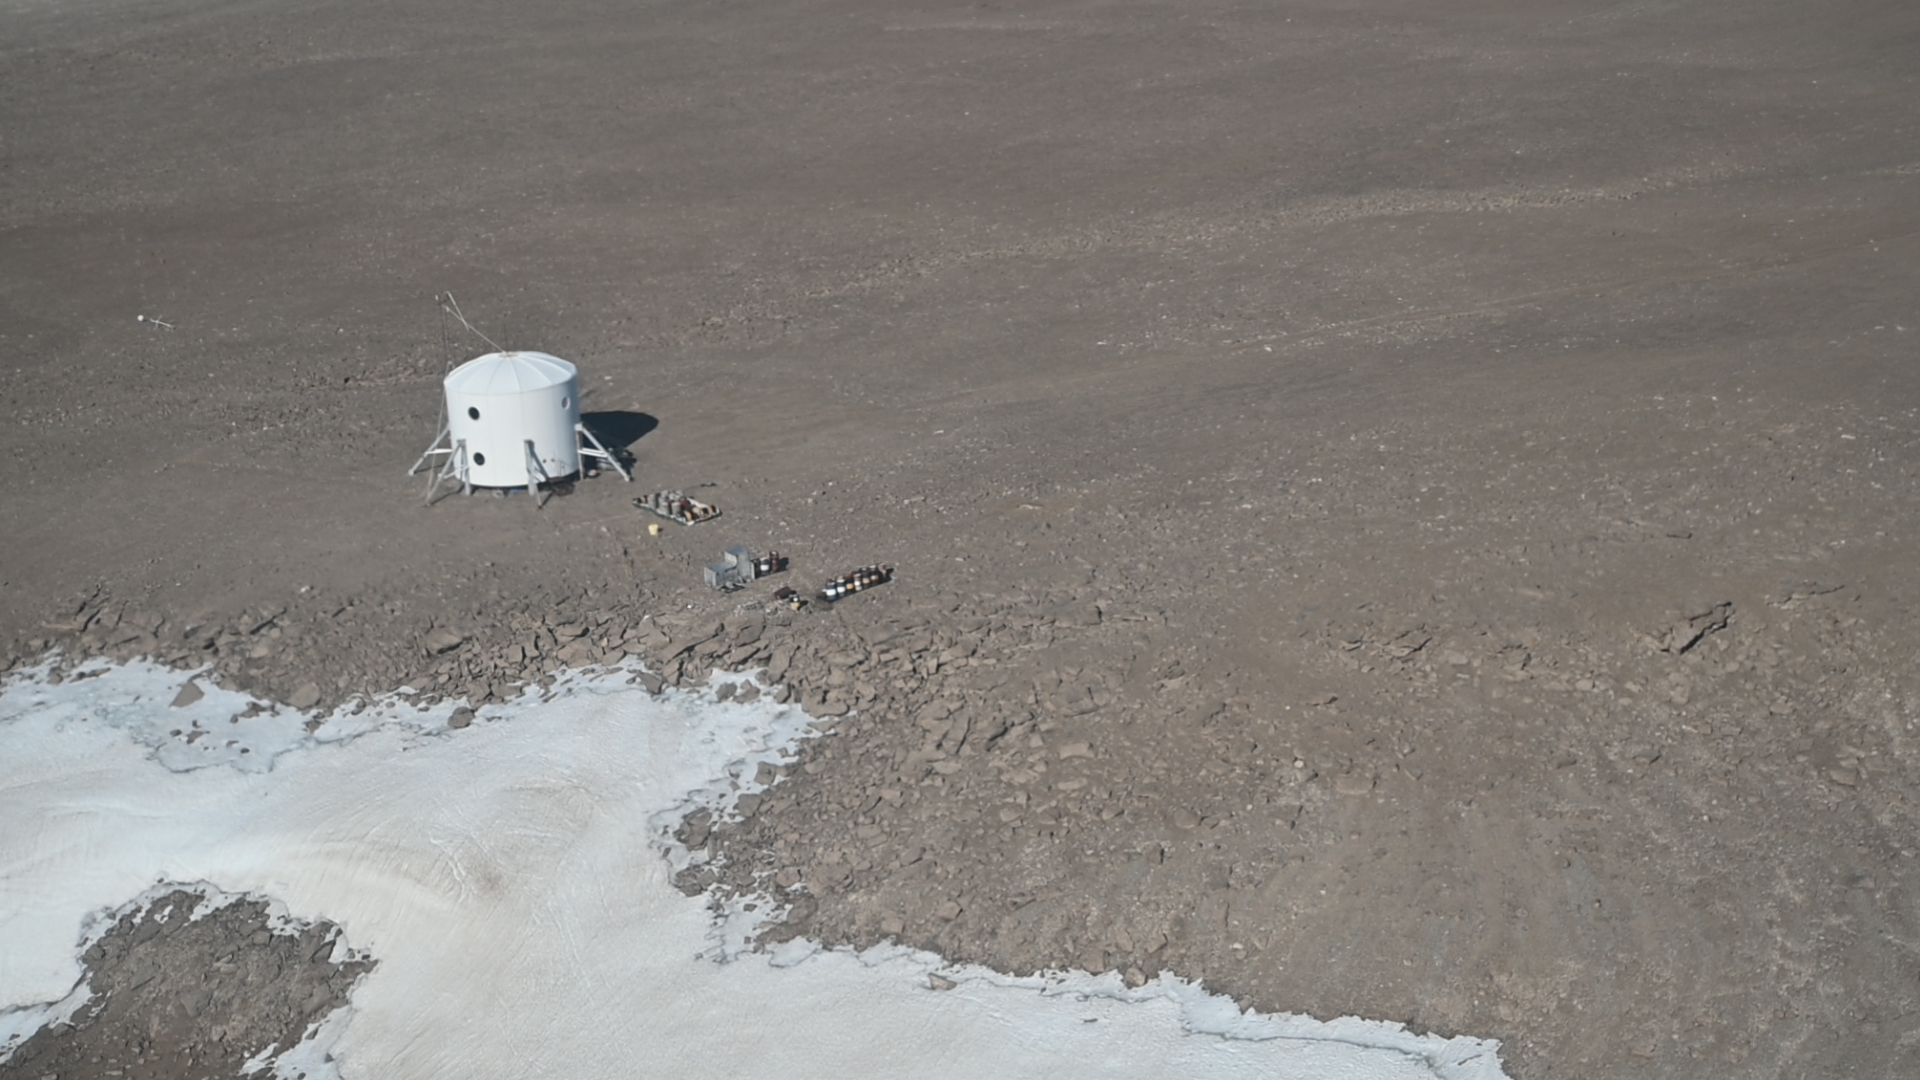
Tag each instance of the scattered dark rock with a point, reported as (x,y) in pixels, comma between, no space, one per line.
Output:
(178,997)
(306,697)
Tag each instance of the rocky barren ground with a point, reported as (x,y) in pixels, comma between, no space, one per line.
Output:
(180,995)
(1399,511)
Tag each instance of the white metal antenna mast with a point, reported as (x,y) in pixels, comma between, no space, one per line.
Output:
(456,451)
(452,306)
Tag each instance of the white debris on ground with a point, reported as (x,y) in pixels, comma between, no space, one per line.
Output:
(512,879)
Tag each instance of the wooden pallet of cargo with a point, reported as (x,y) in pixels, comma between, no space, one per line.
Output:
(678,506)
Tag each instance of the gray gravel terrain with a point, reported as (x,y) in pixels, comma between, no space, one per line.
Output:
(1403,510)
(193,985)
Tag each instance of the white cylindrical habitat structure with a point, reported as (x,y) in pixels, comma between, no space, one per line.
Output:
(499,403)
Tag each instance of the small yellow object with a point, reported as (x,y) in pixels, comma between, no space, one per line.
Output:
(653,530)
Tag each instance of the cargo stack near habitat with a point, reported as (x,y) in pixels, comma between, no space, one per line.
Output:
(847,584)
(739,565)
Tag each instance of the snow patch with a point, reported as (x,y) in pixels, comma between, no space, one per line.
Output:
(513,880)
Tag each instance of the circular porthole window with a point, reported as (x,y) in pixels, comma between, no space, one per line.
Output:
(479,459)
(473,413)
(565,402)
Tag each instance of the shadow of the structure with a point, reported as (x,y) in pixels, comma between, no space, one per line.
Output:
(619,429)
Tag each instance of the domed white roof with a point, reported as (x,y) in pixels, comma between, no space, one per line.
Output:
(509,373)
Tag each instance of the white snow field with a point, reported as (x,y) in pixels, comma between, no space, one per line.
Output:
(512,879)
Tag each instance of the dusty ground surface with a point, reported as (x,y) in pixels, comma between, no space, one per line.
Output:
(1400,509)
